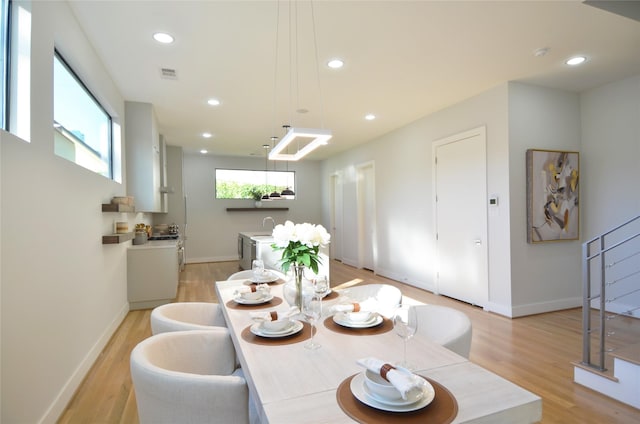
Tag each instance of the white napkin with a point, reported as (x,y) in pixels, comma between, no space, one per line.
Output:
(370,305)
(408,384)
(268,316)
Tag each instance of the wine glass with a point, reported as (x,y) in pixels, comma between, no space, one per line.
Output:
(321,285)
(257,266)
(312,310)
(405,324)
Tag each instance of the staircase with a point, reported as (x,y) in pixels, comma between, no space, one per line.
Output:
(610,314)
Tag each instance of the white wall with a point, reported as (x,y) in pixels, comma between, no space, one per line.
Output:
(523,278)
(63,292)
(544,276)
(611,161)
(213,232)
(404,187)
(611,155)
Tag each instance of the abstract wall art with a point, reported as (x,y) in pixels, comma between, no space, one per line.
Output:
(553,212)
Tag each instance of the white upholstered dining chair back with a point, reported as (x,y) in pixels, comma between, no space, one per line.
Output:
(242,275)
(388,297)
(181,316)
(188,377)
(446,326)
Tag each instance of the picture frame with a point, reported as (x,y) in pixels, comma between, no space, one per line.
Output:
(553,208)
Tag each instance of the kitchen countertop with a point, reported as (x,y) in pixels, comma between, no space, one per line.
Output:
(156,244)
(259,236)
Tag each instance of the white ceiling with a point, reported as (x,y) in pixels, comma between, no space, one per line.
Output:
(403,60)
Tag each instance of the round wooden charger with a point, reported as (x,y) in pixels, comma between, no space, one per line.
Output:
(383,327)
(442,410)
(333,295)
(232,304)
(271,283)
(301,336)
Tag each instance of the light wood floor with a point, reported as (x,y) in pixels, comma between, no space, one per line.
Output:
(534,352)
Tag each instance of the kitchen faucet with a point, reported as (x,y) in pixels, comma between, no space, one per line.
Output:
(268,218)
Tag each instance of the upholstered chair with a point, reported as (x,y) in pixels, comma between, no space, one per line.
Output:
(188,377)
(181,316)
(387,297)
(446,326)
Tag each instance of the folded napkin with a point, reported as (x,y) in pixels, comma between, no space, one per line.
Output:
(408,384)
(274,315)
(369,305)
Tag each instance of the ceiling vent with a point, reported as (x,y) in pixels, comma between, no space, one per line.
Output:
(168,73)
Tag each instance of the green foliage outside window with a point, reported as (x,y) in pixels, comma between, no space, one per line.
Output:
(234,190)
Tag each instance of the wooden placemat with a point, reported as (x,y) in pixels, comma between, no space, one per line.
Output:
(333,295)
(232,304)
(271,283)
(383,327)
(301,336)
(442,410)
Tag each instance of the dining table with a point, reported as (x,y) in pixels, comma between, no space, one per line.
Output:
(289,383)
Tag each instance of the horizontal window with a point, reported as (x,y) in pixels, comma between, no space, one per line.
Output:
(247,184)
(82,128)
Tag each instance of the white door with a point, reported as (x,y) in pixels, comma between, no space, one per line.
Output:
(335,245)
(366,216)
(461,217)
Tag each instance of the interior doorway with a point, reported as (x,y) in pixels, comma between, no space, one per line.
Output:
(461,216)
(336,221)
(367,243)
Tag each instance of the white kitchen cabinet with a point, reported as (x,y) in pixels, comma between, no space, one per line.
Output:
(153,274)
(143,157)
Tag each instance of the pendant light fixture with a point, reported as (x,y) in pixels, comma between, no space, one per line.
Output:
(274,195)
(287,193)
(266,169)
(314,137)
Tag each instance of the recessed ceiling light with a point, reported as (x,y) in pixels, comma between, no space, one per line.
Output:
(207,135)
(204,151)
(213,102)
(370,117)
(335,63)
(163,37)
(577,60)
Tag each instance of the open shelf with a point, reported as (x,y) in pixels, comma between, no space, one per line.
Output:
(116,207)
(255,209)
(117,238)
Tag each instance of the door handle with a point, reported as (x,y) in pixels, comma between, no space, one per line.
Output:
(478,242)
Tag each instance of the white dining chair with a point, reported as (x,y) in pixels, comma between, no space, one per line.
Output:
(180,316)
(387,297)
(445,326)
(189,377)
(243,275)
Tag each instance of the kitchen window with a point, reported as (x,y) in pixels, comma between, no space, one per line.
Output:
(247,184)
(82,127)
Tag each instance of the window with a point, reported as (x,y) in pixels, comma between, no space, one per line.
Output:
(4,59)
(16,68)
(245,184)
(82,128)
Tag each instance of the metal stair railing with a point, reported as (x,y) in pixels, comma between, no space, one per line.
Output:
(611,286)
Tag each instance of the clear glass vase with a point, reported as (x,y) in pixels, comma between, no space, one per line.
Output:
(296,286)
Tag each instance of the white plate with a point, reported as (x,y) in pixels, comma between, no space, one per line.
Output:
(426,392)
(293,329)
(267,279)
(360,392)
(341,319)
(242,300)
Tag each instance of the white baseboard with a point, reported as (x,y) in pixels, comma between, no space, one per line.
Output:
(69,389)
(550,306)
(211,259)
